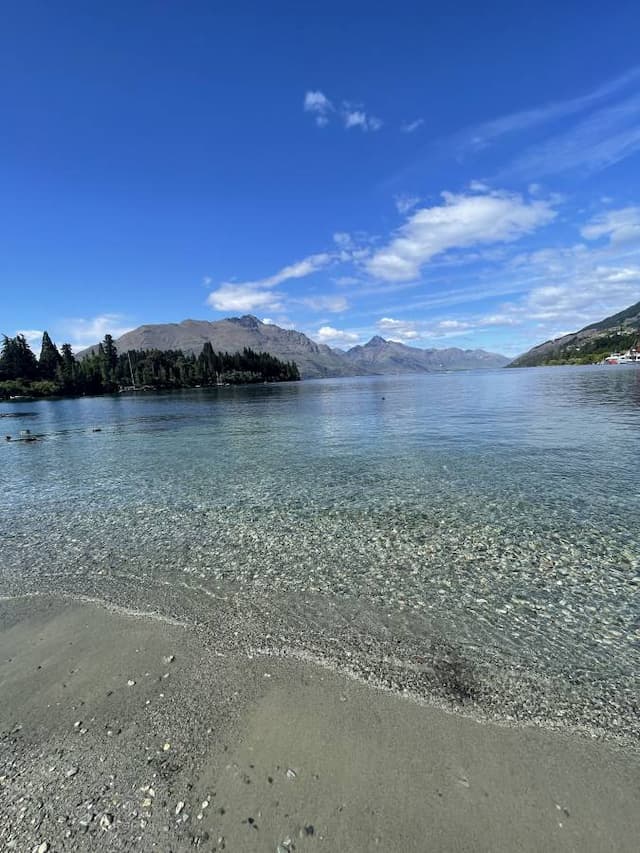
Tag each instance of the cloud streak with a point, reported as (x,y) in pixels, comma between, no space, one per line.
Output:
(483,134)
(249,295)
(461,222)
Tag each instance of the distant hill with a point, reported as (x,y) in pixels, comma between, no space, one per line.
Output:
(590,344)
(380,356)
(314,360)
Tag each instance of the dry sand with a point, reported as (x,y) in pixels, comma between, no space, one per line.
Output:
(127,733)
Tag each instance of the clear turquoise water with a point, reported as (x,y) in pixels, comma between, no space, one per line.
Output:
(365,519)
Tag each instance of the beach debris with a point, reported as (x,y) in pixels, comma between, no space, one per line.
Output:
(42,848)
(179,807)
(130,682)
(291,774)
(166,747)
(205,804)
(71,772)
(106,821)
(168,658)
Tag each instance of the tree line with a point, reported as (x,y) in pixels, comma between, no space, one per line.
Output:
(104,370)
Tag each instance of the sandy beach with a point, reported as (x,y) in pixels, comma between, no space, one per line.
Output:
(123,732)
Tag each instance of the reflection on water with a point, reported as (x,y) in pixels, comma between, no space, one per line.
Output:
(497,508)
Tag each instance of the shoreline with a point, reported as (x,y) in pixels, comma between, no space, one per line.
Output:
(79,744)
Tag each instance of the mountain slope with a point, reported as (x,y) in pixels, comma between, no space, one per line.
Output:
(380,356)
(314,360)
(233,335)
(590,344)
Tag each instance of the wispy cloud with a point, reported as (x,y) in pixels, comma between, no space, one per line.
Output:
(33,337)
(604,138)
(483,134)
(243,297)
(355,116)
(352,115)
(620,226)
(319,105)
(249,295)
(84,331)
(334,304)
(406,330)
(461,222)
(404,203)
(411,126)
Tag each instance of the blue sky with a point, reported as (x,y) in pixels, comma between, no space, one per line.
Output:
(462,175)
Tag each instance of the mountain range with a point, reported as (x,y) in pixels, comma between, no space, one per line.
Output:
(314,360)
(591,344)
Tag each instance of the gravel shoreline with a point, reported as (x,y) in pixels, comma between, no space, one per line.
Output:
(123,733)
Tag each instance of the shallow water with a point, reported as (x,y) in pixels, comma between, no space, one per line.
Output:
(491,518)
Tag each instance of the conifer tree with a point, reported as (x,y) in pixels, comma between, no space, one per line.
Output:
(50,359)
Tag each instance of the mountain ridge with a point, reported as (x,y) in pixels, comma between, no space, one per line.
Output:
(588,345)
(314,360)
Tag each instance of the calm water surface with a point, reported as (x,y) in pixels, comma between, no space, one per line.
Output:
(494,515)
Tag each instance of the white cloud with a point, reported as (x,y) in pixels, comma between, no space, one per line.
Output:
(352,115)
(316,102)
(334,304)
(329,335)
(33,336)
(242,298)
(620,226)
(454,325)
(343,239)
(83,332)
(411,126)
(505,319)
(248,295)
(461,222)
(479,187)
(405,203)
(403,330)
(355,116)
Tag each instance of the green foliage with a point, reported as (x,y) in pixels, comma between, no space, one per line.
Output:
(591,350)
(50,359)
(17,361)
(104,371)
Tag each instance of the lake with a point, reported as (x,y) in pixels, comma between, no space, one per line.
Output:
(468,536)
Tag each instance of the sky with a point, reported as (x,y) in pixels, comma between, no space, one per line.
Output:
(443,175)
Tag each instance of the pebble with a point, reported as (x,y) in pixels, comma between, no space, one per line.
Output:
(291,774)
(42,848)
(71,772)
(106,821)
(130,683)
(166,747)
(179,807)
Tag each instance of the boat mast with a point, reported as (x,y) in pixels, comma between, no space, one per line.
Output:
(133,381)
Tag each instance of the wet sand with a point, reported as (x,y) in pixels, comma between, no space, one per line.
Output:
(122,733)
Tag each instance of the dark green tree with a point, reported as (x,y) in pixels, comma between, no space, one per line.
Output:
(17,360)
(50,360)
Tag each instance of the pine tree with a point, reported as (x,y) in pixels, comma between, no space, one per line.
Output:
(50,359)
(17,360)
